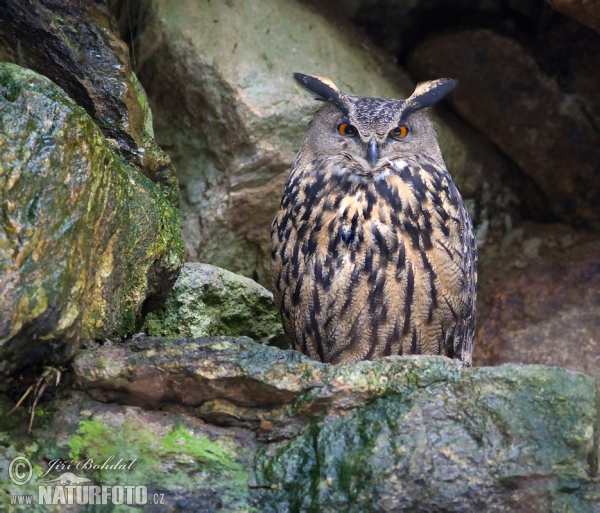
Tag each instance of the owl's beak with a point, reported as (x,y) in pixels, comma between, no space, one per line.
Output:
(373,152)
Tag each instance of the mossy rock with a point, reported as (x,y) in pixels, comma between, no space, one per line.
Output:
(466,441)
(209,301)
(77,46)
(400,434)
(185,464)
(85,238)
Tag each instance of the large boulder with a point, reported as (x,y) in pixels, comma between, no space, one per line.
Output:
(510,98)
(76,45)
(539,300)
(219,80)
(85,238)
(207,301)
(569,51)
(400,434)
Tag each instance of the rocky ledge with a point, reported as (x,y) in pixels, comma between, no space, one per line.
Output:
(401,434)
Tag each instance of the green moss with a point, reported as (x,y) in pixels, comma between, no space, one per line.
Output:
(209,301)
(152,231)
(178,461)
(99,442)
(181,441)
(142,99)
(433,421)
(94,236)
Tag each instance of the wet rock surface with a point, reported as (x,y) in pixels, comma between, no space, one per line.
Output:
(219,81)
(208,301)
(416,433)
(85,238)
(75,44)
(539,300)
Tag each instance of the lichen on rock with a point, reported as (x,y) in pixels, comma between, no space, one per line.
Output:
(208,301)
(85,237)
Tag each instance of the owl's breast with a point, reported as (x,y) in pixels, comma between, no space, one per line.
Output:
(371,267)
(416,205)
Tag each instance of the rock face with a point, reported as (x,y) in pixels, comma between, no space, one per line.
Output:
(540,300)
(84,239)
(584,11)
(74,44)
(208,301)
(568,51)
(507,96)
(90,242)
(218,77)
(401,434)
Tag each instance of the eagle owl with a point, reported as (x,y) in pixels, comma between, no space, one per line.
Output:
(373,249)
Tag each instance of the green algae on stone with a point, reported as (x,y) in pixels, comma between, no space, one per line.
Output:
(84,237)
(208,301)
(467,444)
(134,442)
(76,45)
(399,434)
(156,164)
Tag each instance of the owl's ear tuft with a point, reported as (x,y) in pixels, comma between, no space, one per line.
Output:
(324,88)
(321,86)
(428,93)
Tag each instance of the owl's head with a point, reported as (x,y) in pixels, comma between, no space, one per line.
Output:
(365,134)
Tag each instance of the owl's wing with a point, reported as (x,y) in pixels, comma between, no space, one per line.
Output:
(463,343)
(285,252)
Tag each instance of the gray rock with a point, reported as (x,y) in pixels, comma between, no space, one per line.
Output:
(219,79)
(208,301)
(400,434)
(85,237)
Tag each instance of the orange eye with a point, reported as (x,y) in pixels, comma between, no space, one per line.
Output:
(346,129)
(400,132)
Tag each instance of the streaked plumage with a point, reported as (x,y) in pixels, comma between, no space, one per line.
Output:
(373,249)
